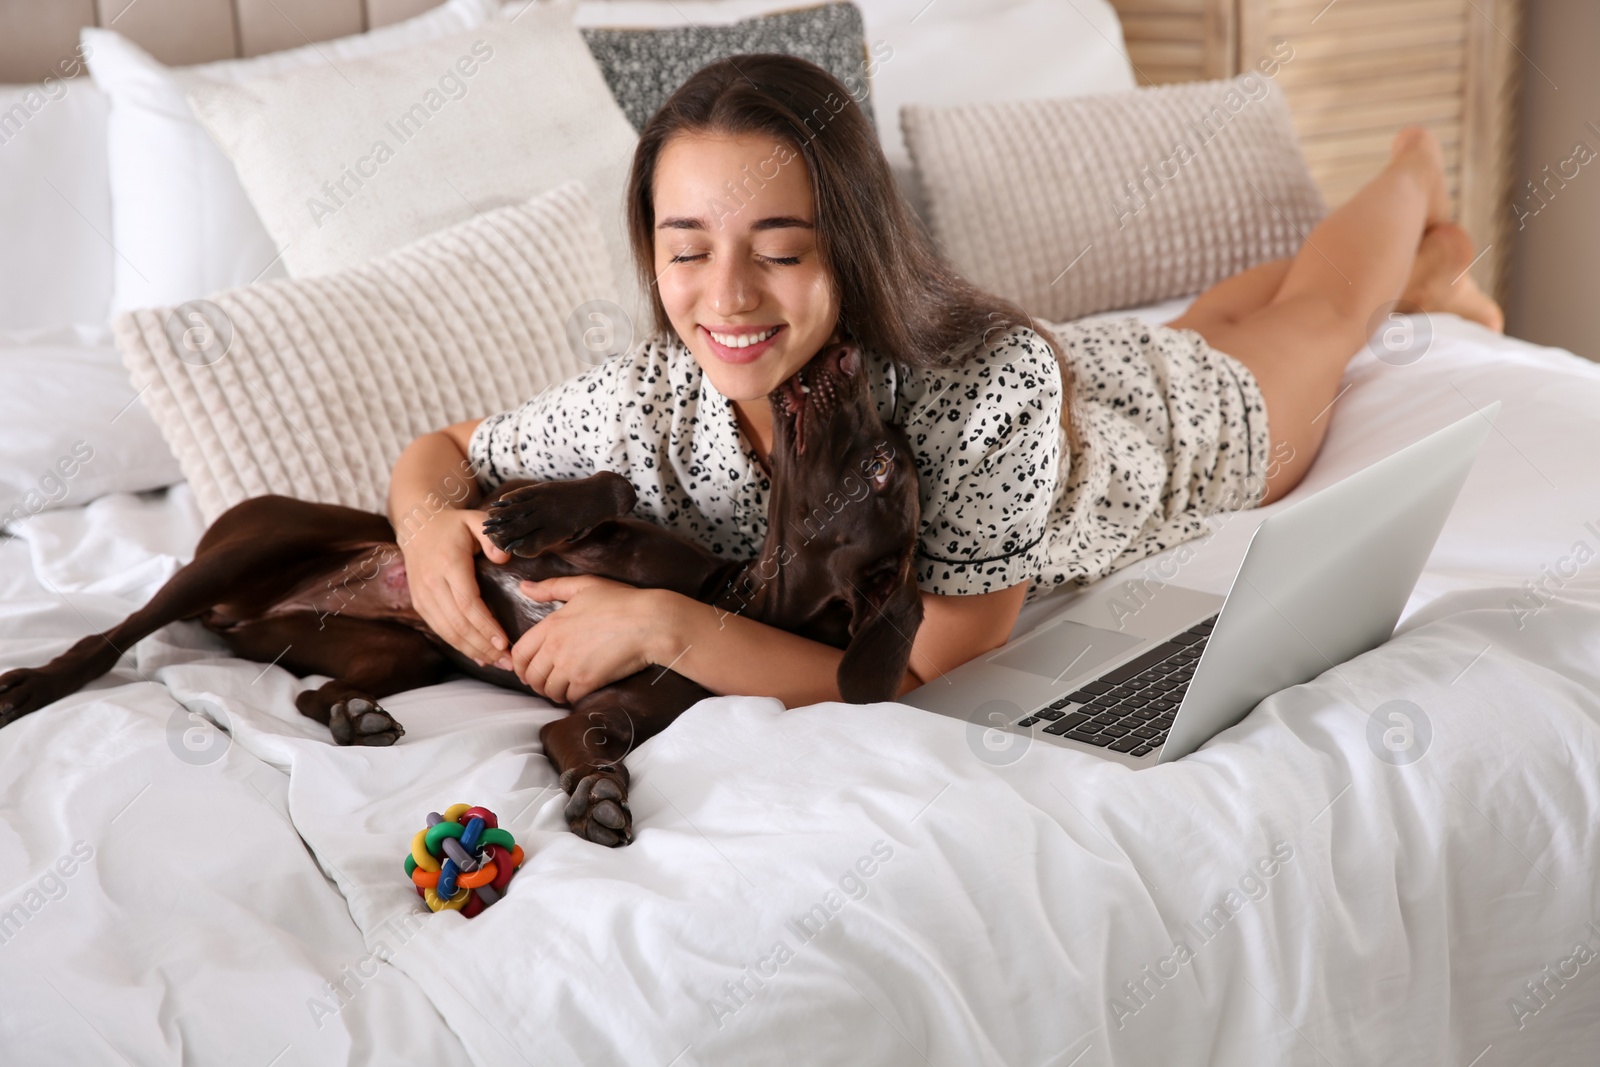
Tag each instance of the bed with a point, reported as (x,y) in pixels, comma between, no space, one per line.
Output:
(191,873)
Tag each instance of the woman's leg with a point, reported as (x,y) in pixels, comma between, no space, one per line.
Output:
(1231,299)
(1445,249)
(1357,260)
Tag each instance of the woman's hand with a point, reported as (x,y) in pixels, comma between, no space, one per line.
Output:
(603,632)
(444,583)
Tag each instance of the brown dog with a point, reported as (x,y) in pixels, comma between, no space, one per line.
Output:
(835,567)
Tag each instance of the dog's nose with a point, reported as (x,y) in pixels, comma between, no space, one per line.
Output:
(848,360)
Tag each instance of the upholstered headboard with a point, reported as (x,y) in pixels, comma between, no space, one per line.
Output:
(1362,68)
(36,35)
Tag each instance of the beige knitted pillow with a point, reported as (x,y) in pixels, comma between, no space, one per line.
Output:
(1076,206)
(311,387)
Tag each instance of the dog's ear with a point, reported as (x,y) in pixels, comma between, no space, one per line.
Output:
(880,642)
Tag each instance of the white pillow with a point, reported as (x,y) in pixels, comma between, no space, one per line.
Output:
(71,426)
(347,164)
(986,51)
(181,223)
(55,198)
(945,52)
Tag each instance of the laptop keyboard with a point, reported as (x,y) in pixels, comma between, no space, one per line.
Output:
(1131,708)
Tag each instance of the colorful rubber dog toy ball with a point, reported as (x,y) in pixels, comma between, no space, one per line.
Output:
(462,860)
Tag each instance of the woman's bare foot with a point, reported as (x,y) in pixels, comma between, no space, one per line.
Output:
(1440,282)
(1418,147)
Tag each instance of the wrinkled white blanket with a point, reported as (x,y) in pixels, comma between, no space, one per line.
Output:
(840,884)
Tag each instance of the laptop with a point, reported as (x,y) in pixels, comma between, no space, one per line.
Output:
(1145,673)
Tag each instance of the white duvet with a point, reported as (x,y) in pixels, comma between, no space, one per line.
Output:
(840,884)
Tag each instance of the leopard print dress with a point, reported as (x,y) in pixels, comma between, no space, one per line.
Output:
(1171,430)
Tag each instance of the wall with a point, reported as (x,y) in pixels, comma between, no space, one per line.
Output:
(1555,259)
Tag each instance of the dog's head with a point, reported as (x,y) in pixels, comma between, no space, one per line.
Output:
(845,508)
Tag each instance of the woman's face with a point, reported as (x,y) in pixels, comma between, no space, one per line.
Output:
(736,258)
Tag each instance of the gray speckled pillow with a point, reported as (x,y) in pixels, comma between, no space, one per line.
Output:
(645,66)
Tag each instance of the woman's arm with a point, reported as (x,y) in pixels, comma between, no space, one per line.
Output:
(427,466)
(606,631)
(432,498)
(739,655)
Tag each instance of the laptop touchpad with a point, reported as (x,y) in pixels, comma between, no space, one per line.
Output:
(1065,650)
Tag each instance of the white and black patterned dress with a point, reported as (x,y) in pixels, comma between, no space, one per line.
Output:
(1173,431)
(1002,501)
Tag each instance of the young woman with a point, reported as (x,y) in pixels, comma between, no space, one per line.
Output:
(765,223)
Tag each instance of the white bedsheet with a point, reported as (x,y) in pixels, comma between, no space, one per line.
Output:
(199,929)
(1006,907)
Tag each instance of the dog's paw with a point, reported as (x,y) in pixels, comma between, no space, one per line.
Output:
(526,521)
(25,690)
(359,721)
(529,520)
(598,808)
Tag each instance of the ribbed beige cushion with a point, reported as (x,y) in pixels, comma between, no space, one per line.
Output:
(1144,195)
(327,379)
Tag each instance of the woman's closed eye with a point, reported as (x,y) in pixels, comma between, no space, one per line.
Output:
(785,261)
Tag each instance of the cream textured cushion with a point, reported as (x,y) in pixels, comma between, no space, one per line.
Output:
(347,161)
(312,387)
(1077,206)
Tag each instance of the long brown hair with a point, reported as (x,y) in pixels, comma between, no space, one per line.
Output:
(899,298)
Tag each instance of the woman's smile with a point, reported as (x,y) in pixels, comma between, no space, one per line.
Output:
(741,344)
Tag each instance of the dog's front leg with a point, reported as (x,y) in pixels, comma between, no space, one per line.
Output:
(528,520)
(581,527)
(587,747)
